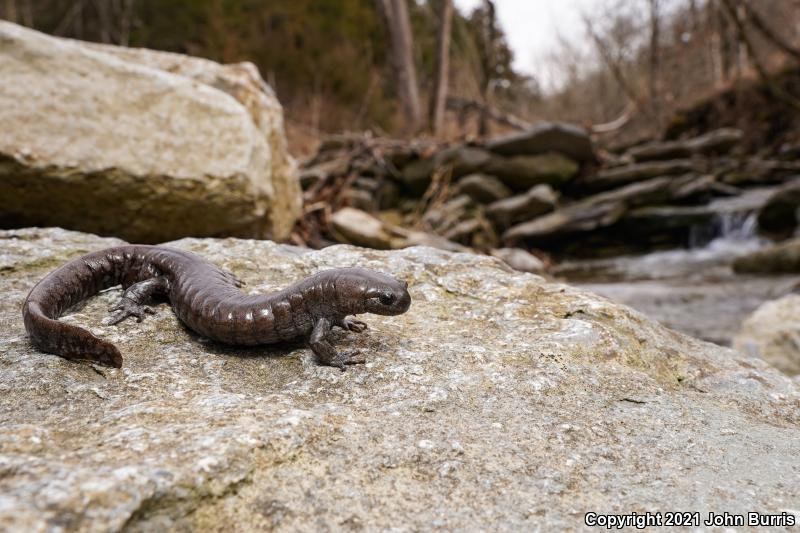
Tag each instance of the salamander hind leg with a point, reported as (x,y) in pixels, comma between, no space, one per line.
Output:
(324,350)
(135,299)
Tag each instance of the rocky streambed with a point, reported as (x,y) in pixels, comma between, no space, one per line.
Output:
(695,291)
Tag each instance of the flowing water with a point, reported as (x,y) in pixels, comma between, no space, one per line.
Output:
(693,290)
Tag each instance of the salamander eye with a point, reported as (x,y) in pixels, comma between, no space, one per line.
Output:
(387,298)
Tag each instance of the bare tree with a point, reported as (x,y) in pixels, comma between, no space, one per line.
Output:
(488,63)
(10,10)
(613,65)
(738,20)
(439,94)
(655,60)
(396,14)
(758,23)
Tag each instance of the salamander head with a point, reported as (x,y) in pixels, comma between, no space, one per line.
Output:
(369,291)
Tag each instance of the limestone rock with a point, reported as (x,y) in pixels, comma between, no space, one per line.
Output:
(619,176)
(780,216)
(714,142)
(519,259)
(604,209)
(159,145)
(456,161)
(483,188)
(567,139)
(357,227)
(772,332)
(776,259)
(755,171)
(537,201)
(499,401)
(521,172)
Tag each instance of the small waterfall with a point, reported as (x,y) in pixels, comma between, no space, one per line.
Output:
(732,227)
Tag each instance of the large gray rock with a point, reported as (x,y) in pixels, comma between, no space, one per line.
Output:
(498,402)
(357,227)
(572,141)
(142,144)
(672,224)
(772,332)
(521,172)
(483,188)
(520,259)
(453,162)
(605,209)
(537,201)
(618,176)
(719,141)
(780,216)
(781,258)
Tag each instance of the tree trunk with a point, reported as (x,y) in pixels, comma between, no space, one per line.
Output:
(489,38)
(396,14)
(439,94)
(11,11)
(758,23)
(655,56)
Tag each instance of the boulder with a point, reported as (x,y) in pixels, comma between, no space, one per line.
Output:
(456,161)
(782,258)
(141,144)
(780,216)
(604,209)
(567,139)
(674,224)
(313,174)
(754,171)
(499,401)
(716,142)
(772,333)
(483,188)
(519,259)
(351,225)
(522,172)
(623,175)
(537,201)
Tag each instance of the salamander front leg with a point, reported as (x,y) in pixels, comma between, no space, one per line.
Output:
(325,352)
(135,298)
(351,324)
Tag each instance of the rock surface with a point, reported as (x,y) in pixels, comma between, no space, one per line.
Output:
(482,188)
(780,216)
(537,201)
(772,332)
(519,259)
(620,176)
(604,209)
(567,139)
(521,172)
(714,142)
(499,401)
(779,258)
(159,145)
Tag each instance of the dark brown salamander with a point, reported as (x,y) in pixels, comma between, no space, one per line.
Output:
(207,299)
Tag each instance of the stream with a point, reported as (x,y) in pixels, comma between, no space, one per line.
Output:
(695,290)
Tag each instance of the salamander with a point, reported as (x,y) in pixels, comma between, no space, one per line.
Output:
(208,300)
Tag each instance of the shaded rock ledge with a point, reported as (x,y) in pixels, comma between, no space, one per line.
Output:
(498,400)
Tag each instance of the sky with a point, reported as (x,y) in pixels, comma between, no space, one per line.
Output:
(532,28)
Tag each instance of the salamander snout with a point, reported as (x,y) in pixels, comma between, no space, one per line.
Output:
(387,296)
